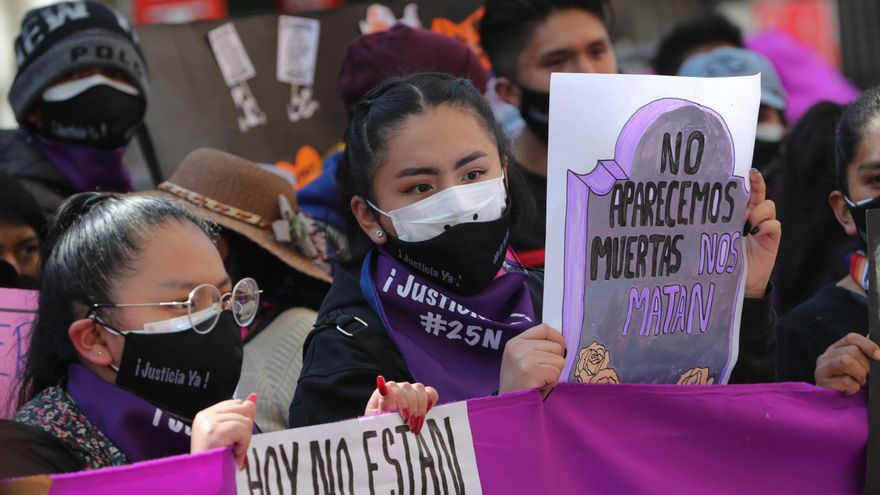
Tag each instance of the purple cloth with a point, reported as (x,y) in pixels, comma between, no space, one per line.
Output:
(598,438)
(733,439)
(453,343)
(139,429)
(806,77)
(211,472)
(87,168)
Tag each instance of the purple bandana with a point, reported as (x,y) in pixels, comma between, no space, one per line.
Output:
(87,168)
(139,429)
(453,343)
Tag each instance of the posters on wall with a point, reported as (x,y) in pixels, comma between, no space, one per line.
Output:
(236,67)
(297,59)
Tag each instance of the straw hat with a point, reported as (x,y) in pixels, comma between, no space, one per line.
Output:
(243,197)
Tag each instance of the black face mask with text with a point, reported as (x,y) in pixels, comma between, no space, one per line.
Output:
(464,259)
(101,116)
(183,372)
(534,107)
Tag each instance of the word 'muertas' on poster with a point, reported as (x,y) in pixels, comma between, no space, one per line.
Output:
(648,248)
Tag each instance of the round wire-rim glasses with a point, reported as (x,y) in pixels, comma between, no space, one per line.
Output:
(203,308)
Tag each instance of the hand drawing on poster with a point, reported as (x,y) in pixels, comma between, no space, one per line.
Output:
(298,40)
(237,68)
(653,253)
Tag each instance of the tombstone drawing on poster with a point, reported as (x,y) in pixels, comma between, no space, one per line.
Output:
(652,255)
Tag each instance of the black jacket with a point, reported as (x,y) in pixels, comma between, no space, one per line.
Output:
(808,330)
(22,160)
(340,365)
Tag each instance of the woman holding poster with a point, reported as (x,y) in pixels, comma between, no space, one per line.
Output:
(137,346)
(432,292)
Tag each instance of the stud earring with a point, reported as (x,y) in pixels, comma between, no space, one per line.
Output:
(380,233)
(100,353)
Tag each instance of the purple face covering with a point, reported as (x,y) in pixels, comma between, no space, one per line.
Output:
(139,429)
(453,343)
(87,168)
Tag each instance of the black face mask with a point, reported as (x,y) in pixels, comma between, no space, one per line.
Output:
(464,259)
(859,212)
(183,372)
(100,116)
(534,107)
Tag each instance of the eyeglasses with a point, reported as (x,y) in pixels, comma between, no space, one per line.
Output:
(203,308)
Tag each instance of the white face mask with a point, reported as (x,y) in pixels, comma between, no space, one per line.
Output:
(771,133)
(482,201)
(70,89)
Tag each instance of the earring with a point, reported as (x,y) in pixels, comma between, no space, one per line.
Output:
(380,233)
(100,353)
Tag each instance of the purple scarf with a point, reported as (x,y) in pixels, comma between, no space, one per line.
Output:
(453,343)
(87,168)
(139,429)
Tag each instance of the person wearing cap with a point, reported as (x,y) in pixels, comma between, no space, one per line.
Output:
(22,228)
(79,95)
(265,235)
(728,62)
(370,59)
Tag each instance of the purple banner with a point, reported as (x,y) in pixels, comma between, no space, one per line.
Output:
(584,438)
(637,439)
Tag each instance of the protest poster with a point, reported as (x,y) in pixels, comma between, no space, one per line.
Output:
(375,454)
(645,255)
(18,309)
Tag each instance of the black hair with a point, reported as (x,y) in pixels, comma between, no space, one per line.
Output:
(850,131)
(807,180)
(507,26)
(379,115)
(685,37)
(93,242)
(17,205)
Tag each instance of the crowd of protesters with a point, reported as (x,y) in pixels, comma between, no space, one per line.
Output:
(264,297)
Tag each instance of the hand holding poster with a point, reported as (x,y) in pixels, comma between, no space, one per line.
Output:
(646,261)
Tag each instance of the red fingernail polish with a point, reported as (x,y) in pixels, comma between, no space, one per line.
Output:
(252,398)
(420,422)
(430,405)
(405,415)
(380,384)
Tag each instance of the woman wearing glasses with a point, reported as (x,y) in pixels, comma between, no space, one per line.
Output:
(137,346)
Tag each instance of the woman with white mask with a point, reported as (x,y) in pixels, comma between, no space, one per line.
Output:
(431,292)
